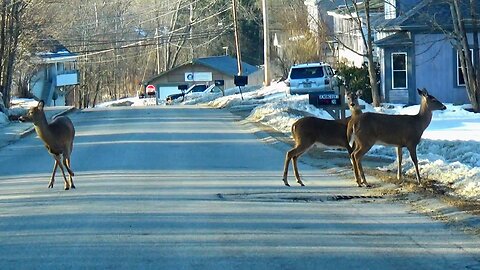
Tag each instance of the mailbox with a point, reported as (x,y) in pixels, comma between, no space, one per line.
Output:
(324,98)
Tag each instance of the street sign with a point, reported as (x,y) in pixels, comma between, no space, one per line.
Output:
(150,89)
(198,76)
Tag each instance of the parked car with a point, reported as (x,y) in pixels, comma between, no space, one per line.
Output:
(213,89)
(192,89)
(312,78)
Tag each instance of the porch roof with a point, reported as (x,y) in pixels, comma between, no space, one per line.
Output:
(398,39)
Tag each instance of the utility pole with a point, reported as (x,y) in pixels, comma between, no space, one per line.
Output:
(266,45)
(157,35)
(192,51)
(237,39)
(157,39)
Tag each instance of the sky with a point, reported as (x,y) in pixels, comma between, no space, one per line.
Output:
(449,151)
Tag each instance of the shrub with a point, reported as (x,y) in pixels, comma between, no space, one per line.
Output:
(356,78)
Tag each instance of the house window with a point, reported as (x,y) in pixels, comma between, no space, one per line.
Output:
(399,70)
(460,78)
(390,9)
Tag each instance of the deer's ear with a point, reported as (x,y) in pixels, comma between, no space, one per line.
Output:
(422,92)
(41,104)
(359,93)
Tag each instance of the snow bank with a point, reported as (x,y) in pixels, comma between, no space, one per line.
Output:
(3,119)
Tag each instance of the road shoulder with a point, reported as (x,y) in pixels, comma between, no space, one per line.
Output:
(429,199)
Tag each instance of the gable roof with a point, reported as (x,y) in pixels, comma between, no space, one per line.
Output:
(51,50)
(225,64)
(398,39)
(426,15)
(344,10)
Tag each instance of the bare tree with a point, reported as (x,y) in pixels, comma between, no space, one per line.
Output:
(115,40)
(361,16)
(470,67)
(298,43)
(10,29)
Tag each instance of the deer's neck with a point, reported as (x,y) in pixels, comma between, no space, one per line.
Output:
(356,113)
(41,127)
(424,116)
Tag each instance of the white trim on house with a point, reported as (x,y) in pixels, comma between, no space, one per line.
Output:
(399,70)
(459,68)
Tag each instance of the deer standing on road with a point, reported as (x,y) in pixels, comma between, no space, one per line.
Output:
(309,130)
(401,131)
(58,138)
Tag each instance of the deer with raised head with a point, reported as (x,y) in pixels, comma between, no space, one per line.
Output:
(308,131)
(401,131)
(58,139)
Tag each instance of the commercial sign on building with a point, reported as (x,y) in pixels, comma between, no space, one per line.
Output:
(198,76)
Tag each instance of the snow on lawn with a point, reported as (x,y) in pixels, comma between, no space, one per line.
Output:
(18,106)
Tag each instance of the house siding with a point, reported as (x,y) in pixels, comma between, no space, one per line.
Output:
(436,68)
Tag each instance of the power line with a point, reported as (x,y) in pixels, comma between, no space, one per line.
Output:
(89,53)
(171,36)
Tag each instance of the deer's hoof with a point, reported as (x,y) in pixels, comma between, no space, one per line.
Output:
(287,184)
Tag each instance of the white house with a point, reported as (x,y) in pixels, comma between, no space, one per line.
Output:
(56,75)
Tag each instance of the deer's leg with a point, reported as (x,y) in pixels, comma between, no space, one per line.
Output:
(350,154)
(60,164)
(399,165)
(288,157)
(52,179)
(293,154)
(66,163)
(356,170)
(297,152)
(295,170)
(413,156)
(358,154)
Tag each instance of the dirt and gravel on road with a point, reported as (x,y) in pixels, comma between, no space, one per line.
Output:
(430,198)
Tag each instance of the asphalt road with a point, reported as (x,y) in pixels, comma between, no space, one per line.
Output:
(193,188)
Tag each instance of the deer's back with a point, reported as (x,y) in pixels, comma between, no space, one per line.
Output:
(327,132)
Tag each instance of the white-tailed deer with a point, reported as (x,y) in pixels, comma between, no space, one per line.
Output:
(309,130)
(396,130)
(58,138)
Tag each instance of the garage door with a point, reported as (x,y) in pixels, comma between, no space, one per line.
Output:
(165,90)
